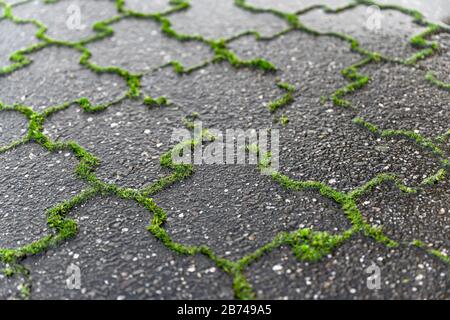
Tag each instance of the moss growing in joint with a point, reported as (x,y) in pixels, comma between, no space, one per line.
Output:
(158,102)
(436,178)
(430,76)
(284,120)
(357,82)
(285,100)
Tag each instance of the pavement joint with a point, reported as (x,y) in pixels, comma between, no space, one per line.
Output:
(307,245)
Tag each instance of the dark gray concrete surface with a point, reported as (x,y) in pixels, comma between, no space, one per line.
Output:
(233,209)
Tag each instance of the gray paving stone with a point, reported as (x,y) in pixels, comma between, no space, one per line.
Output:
(434,10)
(312,64)
(119,259)
(386,31)
(235,210)
(224,98)
(13,127)
(10,286)
(405,273)
(33,180)
(14,38)
(293,6)
(421,216)
(148,6)
(333,150)
(231,208)
(150,48)
(399,97)
(128,138)
(67,20)
(56,77)
(222,19)
(439,63)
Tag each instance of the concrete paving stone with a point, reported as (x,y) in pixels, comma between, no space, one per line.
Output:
(335,151)
(12,2)
(439,63)
(14,38)
(399,97)
(386,31)
(310,63)
(223,97)
(56,77)
(150,48)
(437,11)
(10,286)
(67,20)
(423,216)
(293,6)
(405,273)
(148,6)
(31,181)
(13,127)
(310,140)
(235,210)
(222,19)
(119,259)
(128,138)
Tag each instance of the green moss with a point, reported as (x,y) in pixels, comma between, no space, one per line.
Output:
(285,100)
(443,257)
(434,179)
(444,137)
(158,102)
(25,291)
(307,245)
(313,246)
(357,79)
(284,120)
(440,255)
(369,126)
(222,53)
(432,79)
(242,288)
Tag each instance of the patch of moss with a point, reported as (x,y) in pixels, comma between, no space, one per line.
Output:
(158,102)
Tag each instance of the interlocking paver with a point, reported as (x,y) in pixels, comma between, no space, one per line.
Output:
(88,178)
(150,48)
(235,210)
(318,148)
(398,97)
(436,11)
(56,77)
(13,127)
(423,216)
(142,268)
(295,6)
(223,97)
(148,6)
(390,37)
(33,180)
(222,19)
(67,20)
(404,273)
(312,64)
(129,138)
(439,64)
(14,37)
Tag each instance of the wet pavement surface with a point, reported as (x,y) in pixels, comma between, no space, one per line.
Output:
(93,206)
